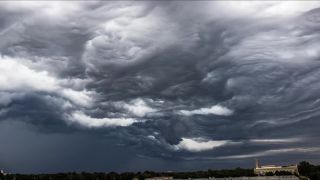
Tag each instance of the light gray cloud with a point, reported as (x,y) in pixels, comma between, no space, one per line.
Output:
(84,120)
(198,144)
(216,110)
(274,152)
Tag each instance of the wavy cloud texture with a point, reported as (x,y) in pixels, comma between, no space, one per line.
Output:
(180,85)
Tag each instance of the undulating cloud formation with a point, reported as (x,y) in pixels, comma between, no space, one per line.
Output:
(137,85)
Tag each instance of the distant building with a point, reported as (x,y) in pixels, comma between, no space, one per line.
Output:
(263,170)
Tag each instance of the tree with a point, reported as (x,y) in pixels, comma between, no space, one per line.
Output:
(305,168)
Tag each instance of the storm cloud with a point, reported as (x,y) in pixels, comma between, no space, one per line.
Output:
(138,85)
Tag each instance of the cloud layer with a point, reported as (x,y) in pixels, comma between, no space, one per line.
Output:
(169,81)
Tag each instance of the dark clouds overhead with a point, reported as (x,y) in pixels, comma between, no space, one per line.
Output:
(158,85)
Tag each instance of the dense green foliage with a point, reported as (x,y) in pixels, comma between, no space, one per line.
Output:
(309,170)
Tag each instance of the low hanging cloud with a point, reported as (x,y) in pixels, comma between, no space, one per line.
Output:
(313,150)
(90,122)
(18,77)
(198,144)
(276,141)
(214,110)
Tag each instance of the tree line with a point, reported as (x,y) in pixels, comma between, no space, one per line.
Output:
(305,169)
(238,172)
(309,170)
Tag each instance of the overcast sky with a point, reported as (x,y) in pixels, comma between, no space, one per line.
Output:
(150,85)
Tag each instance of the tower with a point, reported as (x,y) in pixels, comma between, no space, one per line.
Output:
(257,163)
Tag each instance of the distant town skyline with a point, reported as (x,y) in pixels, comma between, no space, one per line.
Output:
(158,85)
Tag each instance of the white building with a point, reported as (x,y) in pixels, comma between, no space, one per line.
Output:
(262,170)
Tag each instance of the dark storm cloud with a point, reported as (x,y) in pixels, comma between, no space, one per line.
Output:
(169,82)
